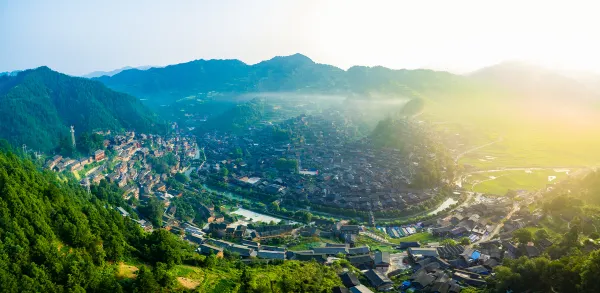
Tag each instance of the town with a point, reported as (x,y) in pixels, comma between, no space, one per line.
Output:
(290,192)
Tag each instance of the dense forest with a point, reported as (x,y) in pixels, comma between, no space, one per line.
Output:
(238,118)
(38,106)
(55,237)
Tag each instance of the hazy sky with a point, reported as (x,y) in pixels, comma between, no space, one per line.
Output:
(78,37)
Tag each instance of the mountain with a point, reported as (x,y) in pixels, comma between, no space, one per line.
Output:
(113,72)
(295,73)
(590,79)
(10,73)
(535,82)
(37,107)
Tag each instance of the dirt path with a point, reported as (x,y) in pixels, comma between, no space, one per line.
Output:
(188,283)
(476,148)
(498,227)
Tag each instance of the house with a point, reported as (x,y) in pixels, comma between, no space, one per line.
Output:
(99,155)
(123,212)
(268,254)
(217,229)
(362,261)
(382,261)
(349,229)
(272,248)
(221,243)
(532,251)
(305,256)
(239,232)
(359,250)
(417,253)
(468,278)
(250,243)
(209,249)
(274,189)
(450,251)
(349,279)
(478,270)
(444,284)
(360,289)
(378,280)
(161,187)
(421,279)
(405,245)
(331,250)
(243,251)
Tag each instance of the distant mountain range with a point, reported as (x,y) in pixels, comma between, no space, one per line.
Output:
(37,107)
(10,73)
(298,73)
(519,89)
(295,73)
(113,72)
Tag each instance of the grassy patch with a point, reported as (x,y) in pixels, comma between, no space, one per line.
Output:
(126,271)
(500,182)
(374,245)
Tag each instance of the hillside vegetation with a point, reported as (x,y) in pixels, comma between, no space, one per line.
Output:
(55,237)
(38,106)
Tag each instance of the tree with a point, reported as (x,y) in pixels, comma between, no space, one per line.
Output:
(523,235)
(224,172)
(163,276)
(274,206)
(181,178)
(145,282)
(465,241)
(591,272)
(448,241)
(541,234)
(303,216)
(153,210)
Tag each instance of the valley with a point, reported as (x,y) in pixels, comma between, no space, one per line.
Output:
(351,170)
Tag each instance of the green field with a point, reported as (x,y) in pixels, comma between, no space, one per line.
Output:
(500,182)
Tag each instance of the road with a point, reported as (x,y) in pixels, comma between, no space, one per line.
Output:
(476,148)
(521,169)
(498,227)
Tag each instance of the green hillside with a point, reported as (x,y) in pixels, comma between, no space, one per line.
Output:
(55,237)
(37,107)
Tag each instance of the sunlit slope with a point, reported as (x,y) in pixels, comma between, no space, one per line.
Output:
(538,125)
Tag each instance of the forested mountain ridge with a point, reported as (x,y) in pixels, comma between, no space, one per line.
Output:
(37,107)
(295,73)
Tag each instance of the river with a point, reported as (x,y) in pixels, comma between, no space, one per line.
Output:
(446,204)
(252,216)
(248,214)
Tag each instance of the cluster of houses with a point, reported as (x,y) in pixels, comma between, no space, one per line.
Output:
(473,221)
(332,171)
(129,164)
(59,164)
